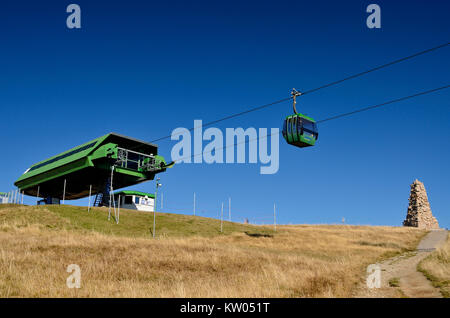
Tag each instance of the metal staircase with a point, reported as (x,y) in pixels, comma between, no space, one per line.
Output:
(98,199)
(103,198)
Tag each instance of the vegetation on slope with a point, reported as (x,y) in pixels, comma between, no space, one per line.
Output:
(131,223)
(436,267)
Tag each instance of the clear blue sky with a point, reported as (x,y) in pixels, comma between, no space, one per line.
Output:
(143,68)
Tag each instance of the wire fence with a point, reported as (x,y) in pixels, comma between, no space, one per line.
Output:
(236,215)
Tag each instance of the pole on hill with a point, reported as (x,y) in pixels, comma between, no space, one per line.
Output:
(274,217)
(64,192)
(194,203)
(37,195)
(90,193)
(118,208)
(229,209)
(221,220)
(154,206)
(111,196)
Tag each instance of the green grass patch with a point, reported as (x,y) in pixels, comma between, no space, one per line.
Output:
(379,244)
(435,267)
(131,223)
(394,282)
(442,285)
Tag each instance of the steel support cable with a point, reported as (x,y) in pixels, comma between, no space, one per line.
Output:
(229,117)
(383,104)
(377,68)
(330,118)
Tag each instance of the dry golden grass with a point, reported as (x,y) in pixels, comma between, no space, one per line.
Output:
(297,261)
(436,268)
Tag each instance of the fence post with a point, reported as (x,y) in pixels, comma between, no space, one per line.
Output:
(229,209)
(118,209)
(221,219)
(64,192)
(274,217)
(90,193)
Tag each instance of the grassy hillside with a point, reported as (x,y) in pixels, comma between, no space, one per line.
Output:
(131,223)
(190,258)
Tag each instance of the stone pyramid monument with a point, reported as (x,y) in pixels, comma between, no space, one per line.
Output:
(419,211)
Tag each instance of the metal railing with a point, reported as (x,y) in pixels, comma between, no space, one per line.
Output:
(137,161)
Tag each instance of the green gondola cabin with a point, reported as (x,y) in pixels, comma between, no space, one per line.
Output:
(300,130)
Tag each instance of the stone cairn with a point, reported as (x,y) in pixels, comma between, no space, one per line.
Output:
(419,211)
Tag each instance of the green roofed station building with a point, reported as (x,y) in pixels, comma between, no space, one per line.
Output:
(135,200)
(109,162)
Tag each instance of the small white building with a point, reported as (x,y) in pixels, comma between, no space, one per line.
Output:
(3,198)
(136,200)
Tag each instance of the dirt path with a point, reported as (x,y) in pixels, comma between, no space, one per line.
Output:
(399,275)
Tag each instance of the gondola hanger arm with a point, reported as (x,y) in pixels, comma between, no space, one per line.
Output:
(294,95)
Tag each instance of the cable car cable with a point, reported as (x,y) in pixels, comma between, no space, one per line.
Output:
(315,89)
(229,117)
(383,104)
(376,68)
(329,118)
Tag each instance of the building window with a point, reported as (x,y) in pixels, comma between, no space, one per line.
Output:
(136,200)
(128,199)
